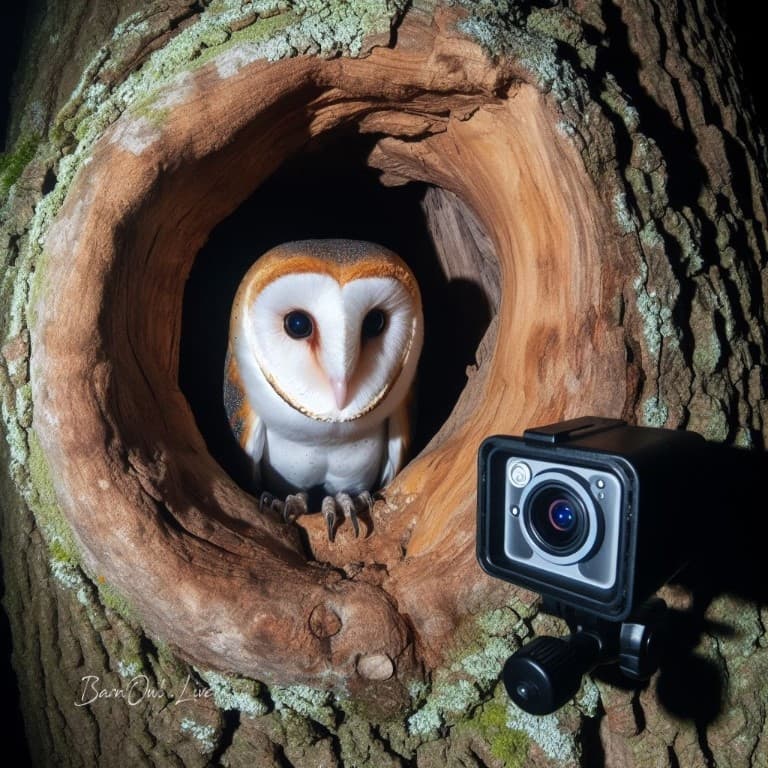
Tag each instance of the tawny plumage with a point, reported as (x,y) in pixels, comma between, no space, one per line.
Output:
(325,337)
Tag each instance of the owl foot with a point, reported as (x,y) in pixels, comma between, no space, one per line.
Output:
(348,506)
(294,505)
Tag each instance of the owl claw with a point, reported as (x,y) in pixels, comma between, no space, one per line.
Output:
(328,510)
(364,502)
(295,505)
(344,500)
(342,504)
(267,502)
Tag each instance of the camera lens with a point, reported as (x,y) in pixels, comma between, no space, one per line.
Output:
(557,519)
(561,515)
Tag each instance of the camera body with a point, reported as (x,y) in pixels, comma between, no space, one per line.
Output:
(591,513)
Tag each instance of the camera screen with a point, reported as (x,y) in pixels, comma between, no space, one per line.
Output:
(563,520)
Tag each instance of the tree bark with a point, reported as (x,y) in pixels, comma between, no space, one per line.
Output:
(592,169)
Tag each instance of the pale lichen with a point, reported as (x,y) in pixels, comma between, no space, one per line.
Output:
(235,693)
(514,31)
(619,104)
(546,732)
(657,319)
(566,129)
(655,413)
(473,669)
(205,735)
(624,217)
(588,698)
(66,574)
(650,237)
(128,669)
(308,702)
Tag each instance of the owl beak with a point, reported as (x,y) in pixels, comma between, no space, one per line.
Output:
(340,388)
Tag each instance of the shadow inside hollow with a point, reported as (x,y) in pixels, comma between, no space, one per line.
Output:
(327,191)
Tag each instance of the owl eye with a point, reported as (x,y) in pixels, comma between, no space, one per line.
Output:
(374,323)
(298,324)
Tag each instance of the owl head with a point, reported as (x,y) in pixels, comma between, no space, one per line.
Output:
(333,328)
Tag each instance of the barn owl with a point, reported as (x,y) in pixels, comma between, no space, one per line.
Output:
(324,340)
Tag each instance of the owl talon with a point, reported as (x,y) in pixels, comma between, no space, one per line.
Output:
(328,510)
(344,500)
(363,503)
(265,502)
(295,506)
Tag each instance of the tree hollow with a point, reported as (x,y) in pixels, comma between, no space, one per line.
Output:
(153,513)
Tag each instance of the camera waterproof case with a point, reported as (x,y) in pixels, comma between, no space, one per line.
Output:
(591,513)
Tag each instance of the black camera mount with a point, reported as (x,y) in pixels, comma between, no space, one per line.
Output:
(545,673)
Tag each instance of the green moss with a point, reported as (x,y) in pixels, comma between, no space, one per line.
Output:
(45,506)
(266,38)
(36,286)
(557,23)
(264,28)
(60,554)
(147,110)
(508,745)
(112,599)
(13,163)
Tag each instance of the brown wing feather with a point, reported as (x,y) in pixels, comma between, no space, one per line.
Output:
(239,412)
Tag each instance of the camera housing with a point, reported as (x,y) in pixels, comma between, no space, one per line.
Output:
(591,513)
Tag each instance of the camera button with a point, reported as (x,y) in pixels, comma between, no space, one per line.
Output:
(520,474)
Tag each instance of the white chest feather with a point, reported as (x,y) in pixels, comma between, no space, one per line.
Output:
(351,466)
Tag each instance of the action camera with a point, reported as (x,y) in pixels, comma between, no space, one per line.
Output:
(591,513)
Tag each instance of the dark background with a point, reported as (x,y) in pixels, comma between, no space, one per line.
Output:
(750,46)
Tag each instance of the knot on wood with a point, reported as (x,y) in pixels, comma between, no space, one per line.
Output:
(375,666)
(324,622)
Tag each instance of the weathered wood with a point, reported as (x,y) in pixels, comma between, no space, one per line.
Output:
(597,178)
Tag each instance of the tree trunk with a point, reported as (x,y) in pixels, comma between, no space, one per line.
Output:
(589,193)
